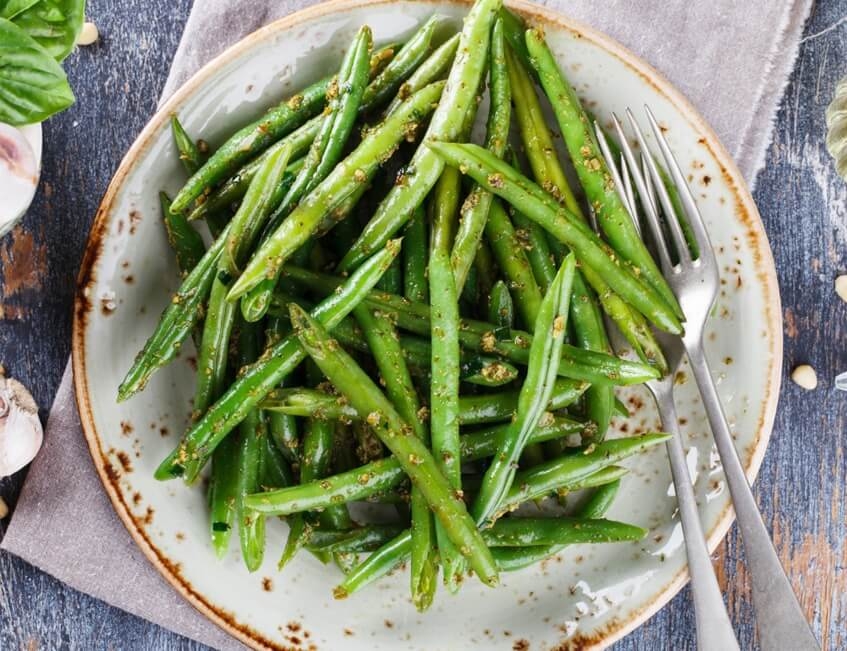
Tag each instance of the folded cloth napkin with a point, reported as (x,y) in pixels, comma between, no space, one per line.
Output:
(730,58)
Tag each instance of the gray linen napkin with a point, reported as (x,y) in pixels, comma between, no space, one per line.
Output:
(730,58)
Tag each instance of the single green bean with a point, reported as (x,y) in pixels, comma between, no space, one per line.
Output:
(475,211)
(415,247)
(531,532)
(344,96)
(513,263)
(402,66)
(252,140)
(223,493)
(189,153)
(435,67)
(252,432)
(383,342)
(591,168)
(257,380)
(383,475)
(253,212)
(186,243)
(214,349)
(444,364)
(410,452)
(178,319)
(276,472)
(361,539)
(347,181)
(546,478)
(283,428)
(446,124)
(535,394)
(589,249)
(501,309)
(510,559)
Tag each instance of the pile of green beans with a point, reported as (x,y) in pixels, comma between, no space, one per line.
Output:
(370,329)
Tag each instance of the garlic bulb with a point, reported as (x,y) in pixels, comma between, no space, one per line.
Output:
(20,163)
(20,429)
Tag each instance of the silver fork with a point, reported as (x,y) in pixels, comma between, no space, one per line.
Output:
(695,282)
(714,629)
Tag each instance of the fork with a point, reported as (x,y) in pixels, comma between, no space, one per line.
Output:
(713,626)
(695,281)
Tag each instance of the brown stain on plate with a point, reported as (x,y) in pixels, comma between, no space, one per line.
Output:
(744,210)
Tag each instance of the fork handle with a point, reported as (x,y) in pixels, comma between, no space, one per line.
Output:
(714,629)
(781,622)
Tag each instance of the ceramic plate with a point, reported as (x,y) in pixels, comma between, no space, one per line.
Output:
(589,595)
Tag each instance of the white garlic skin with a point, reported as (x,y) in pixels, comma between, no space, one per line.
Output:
(20,430)
(836,126)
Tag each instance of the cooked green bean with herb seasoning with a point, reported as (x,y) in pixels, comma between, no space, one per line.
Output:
(404,408)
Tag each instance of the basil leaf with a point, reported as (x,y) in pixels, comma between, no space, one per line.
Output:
(11,8)
(33,85)
(55,24)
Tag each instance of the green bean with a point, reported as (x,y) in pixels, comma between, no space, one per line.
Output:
(513,263)
(298,532)
(587,322)
(252,431)
(392,280)
(599,478)
(282,428)
(344,96)
(501,309)
(530,532)
(592,170)
(513,30)
(214,349)
(276,473)
(189,153)
(396,551)
(475,211)
(347,181)
(401,67)
(377,565)
(383,475)
(589,249)
(223,493)
(315,465)
(252,140)
(186,243)
(535,393)
(446,124)
(233,189)
(410,452)
(360,539)
(510,559)
(444,364)
(594,367)
(177,320)
(253,212)
(435,67)
(257,380)
(473,410)
(486,372)
(386,349)
(415,249)
(494,407)
(544,479)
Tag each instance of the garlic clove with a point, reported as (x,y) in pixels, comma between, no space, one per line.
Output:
(20,154)
(805,377)
(20,430)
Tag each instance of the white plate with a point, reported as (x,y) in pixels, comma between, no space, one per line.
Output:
(590,595)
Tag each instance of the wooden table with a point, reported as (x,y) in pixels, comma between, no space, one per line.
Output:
(802,487)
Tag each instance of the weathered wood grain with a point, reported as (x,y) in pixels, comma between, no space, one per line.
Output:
(802,486)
